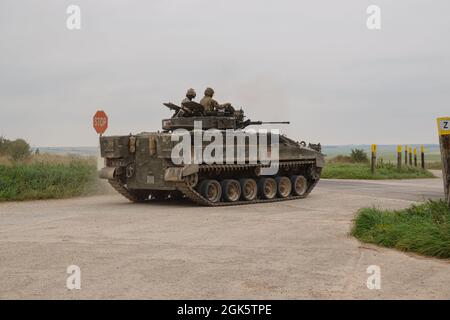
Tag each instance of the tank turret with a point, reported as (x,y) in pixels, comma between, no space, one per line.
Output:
(189,113)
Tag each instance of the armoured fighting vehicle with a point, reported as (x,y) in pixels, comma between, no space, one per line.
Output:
(145,167)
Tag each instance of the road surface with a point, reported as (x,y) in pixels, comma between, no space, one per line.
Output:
(294,250)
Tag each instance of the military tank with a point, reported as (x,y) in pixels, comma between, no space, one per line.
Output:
(142,167)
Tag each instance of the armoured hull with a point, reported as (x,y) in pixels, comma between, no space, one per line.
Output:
(149,166)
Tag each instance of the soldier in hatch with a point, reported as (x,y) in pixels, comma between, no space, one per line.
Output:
(209,104)
(190,95)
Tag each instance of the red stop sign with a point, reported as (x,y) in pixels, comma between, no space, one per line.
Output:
(100,122)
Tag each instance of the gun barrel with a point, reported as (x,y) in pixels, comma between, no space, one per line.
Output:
(268,122)
(275,122)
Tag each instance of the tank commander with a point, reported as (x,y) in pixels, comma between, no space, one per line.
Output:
(209,104)
(190,95)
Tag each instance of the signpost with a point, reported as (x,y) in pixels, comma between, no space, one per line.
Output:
(444,142)
(100,123)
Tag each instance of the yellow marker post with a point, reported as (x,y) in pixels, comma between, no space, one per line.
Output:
(410,155)
(399,157)
(443,126)
(406,155)
(373,158)
(444,142)
(415,157)
(422,156)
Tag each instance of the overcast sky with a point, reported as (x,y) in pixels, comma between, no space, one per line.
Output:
(312,62)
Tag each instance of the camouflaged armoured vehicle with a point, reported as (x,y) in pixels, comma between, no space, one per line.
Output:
(141,167)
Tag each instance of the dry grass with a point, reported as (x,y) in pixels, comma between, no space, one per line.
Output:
(47,176)
(4,161)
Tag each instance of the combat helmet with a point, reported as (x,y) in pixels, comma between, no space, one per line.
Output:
(191,93)
(209,92)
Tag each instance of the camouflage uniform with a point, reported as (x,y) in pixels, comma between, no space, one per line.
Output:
(190,95)
(208,103)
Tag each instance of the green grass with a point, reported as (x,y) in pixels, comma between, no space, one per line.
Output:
(40,180)
(362,171)
(424,228)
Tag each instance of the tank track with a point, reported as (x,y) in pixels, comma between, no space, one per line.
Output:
(196,197)
(119,187)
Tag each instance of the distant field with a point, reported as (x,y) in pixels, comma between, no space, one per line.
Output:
(385,152)
(81,151)
(362,171)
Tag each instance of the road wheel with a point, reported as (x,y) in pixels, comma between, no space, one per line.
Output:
(231,190)
(267,188)
(249,189)
(211,190)
(284,187)
(299,185)
(191,180)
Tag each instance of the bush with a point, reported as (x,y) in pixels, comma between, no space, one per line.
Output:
(341,159)
(359,155)
(17,150)
(423,228)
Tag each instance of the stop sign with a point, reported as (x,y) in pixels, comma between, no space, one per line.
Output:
(100,121)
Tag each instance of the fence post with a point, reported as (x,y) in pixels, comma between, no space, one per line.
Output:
(422,156)
(444,142)
(415,156)
(410,156)
(399,157)
(406,155)
(373,158)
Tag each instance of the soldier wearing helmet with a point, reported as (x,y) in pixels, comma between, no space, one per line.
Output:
(208,103)
(190,95)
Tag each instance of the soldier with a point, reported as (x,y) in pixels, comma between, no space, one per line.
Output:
(190,95)
(208,103)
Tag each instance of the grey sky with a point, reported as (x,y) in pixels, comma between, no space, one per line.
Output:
(311,62)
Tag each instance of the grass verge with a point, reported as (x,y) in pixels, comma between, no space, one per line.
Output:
(362,171)
(49,179)
(424,228)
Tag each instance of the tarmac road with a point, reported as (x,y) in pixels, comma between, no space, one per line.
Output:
(295,249)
